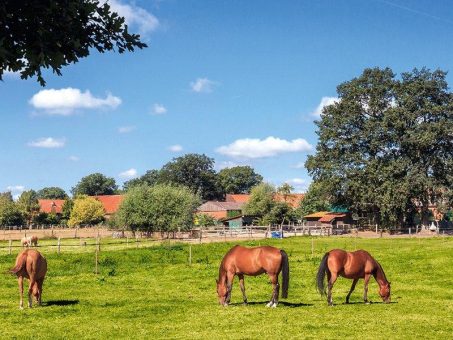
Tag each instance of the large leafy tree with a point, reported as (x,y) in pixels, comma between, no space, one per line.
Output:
(261,202)
(194,171)
(161,207)
(316,199)
(95,184)
(10,215)
(51,193)
(386,148)
(238,179)
(37,35)
(29,206)
(151,177)
(86,211)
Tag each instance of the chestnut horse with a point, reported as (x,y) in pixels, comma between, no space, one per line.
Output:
(33,266)
(242,261)
(351,265)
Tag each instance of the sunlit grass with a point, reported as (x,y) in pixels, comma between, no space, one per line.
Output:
(152,292)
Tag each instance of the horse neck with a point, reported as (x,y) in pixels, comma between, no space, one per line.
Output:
(222,274)
(380,275)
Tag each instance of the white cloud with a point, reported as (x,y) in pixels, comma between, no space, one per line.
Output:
(159,109)
(135,16)
(257,148)
(203,85)
(74,158)
(126,129)
(66,101)
(175,148)
(325,101)
(48,143)
(299,184)
(300,165)
(16,190)
(128,174)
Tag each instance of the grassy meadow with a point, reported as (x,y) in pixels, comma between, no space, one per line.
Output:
(152,292)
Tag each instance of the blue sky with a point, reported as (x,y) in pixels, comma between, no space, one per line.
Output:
(239,81)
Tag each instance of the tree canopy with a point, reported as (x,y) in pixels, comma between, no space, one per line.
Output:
(95,184)
(161,207)
(28,205)
(10,215)
(51,193)
(37,35)
(315,200)
(86,211)
(238,179)
(386,147)
(150,178)
(194,171)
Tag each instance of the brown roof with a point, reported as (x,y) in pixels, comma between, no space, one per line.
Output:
(292,199)
(111,203)
(330,217)
(49,205)
(241,198)
(220,206)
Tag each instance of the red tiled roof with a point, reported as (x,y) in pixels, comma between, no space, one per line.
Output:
(330,217)
(111,203)
(49,205)
(219,206)
(292,199)
(240,198)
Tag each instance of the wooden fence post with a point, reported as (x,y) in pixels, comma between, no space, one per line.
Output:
(59,245)
(190,254)
(96,256)
(312,247)
(10,245)
(127,241)
(201,234)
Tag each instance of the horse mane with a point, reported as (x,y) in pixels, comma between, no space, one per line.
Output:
(382,270)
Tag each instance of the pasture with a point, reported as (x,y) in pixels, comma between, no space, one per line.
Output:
(152,292)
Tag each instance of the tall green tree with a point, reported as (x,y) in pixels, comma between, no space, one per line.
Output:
(95,184)
(51,193)
(151,177)
(316,199)
(29,206)
(161,207)
(37,35)
(238,179)
(386,147)
(261,202)
(86,211)
(194,171)
(10,215)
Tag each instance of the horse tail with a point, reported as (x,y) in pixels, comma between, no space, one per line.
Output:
(20,263)
(285,274)
(323,269)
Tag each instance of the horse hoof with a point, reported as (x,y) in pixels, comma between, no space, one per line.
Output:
(269,304)
(274,305)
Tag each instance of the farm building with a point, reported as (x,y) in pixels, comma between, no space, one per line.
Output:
(220,210)
(237,221)
(292,199)
(51,206)
(328,218)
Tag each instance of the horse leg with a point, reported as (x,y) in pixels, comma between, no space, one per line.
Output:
(241,283)
(230,278)
(365,291)
(30,292)
(331,280)
(20,281)
(351,290)
(275,291)
(39,283)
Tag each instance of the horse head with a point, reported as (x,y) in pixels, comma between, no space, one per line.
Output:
(384,292)
(221,292)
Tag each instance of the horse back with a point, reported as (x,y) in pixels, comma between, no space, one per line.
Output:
(255,261)
(353,264)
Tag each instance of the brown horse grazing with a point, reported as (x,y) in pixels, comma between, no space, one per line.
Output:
(33,266)
(242,261)
(351,265)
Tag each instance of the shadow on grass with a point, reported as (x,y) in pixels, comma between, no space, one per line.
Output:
(371,303)
(60,303)
(280,303)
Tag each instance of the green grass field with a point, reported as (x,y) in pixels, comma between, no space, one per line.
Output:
(153,293)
